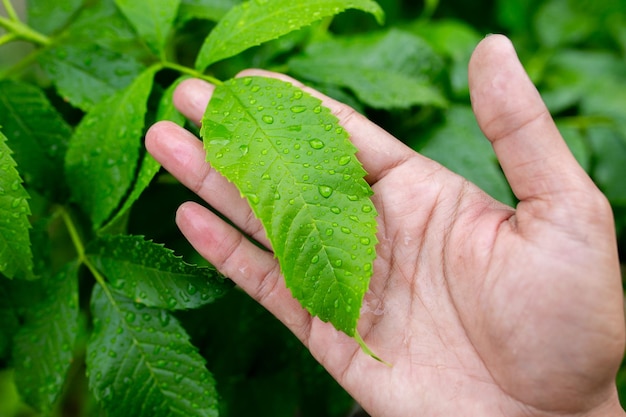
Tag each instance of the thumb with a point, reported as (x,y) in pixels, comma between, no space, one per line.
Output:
(512,115)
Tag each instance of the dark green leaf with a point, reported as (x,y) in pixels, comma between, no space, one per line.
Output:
(37,134)
(49,16)
(289,157)
(16,258)
(460,146)
(151,274)
(86,73)
(140,362)
(166,109)
(393,69)
(609,170)
(43,347)
(205,9)
(9,323)
(152,19)
(104,151)
(257,21)
(560,22)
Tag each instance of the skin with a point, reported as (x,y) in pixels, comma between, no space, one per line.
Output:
(482,309)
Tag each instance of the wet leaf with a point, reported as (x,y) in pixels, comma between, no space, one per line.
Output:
(38,136)
(257,21)
(140,362)
(49,16)
(290,158)
(151,274)
(152,19)
(16,257)
(43,347)
(104,151)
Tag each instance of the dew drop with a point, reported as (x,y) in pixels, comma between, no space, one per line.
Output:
(268,119)
(247,81)
(335,210)
(317,109)
(353,197)
(254,199)
(338,263)
(345,160)
(367,267)
(329,231)
(244,149)
(266,176)
(316,144)
(146,317)
(298,109)
(328,127)
(171,302)
(16,202)
(130,317)
(365,241)
(366,208)
(346,230)
(315,259)
(297,94)
(325,191)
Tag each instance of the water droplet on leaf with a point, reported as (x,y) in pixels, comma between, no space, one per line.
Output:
(316,144)
(325,191)
(268,119)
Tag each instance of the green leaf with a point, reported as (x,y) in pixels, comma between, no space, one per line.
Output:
(37,134)
(560,22)
(460,146)
(152,275)
(16,258)
(167,110)
(257,21)
(43,347)
(289,157)
(49,16)
(609,153)
(104,151)
(212,10)
(85,74)
(393,69)
(152,19)
(141,363)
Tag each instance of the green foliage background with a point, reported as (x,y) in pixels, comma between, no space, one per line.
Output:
(409,75)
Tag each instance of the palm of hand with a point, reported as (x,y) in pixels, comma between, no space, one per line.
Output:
(480,308)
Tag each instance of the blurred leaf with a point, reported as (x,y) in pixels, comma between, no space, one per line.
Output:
(212,10)
(460,146)
(37,134)
(576,142)
(560,22)
(16,257)
(85,73)
(257,21)
(43,347)
(104,151)
(152,19)
(9,323)
(49,16)
(455,40)
(140,362)
(151,274)
(392,69)
(307,191)
(609,169)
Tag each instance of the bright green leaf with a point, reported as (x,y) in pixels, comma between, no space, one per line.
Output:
(151,274)
(141,363)
(37,134)
(152,19)
(16,258)
(85,73)
(43,347)
(258,21)
(290,158)
(394,69)
(104,151)
(460,146)
(49,16)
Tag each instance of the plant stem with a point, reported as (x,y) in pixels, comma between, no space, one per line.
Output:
(22,31)
(80,251)
(10,10)
(190,71)
(6,38)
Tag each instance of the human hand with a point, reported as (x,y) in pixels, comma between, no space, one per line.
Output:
(481,308)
